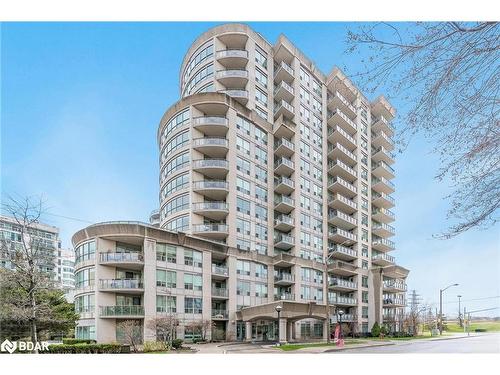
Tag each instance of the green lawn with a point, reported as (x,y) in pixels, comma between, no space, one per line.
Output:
(290,347)
(491,326)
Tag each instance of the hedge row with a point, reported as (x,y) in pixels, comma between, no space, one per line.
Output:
(70,341)
(86,348)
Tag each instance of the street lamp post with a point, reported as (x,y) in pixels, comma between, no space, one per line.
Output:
(459,312)
(441,307)
(278,310)
(341,312)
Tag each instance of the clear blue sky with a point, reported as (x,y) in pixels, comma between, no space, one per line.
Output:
(80,105)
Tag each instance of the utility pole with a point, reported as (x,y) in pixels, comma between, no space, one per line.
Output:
(459,312)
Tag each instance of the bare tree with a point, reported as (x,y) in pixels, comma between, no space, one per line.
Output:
(448,76)
(32,259)
(130,330)
(165,327)
(201,327)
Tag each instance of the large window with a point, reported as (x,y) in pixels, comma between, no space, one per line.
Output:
(85,332)
(193,258)
(85,252)
(179,224)
(243,226)
(202,74)
(243,206)
(261,270)
(175,143)
(166,304)
(85,277)
(177,163)
(243,288)
(243,145)
(85,303)
(243,186)
(242,165)
(202,55)
(176,184)
(166,278)
(193,305)
(243,267)
(193,282)
(177,204)
(261,58)
(178,120)
(166,253)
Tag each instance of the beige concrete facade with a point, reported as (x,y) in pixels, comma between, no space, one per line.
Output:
(289,170)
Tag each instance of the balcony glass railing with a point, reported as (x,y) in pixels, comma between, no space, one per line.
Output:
(223,228)
(125,310)
(343,116)
(220,314)
(284,199)
(284,180)
(385,257)
(220,292)
(210,163)
(343,300)
(338,146)
(396,284)
(121,257)
(284,277)
(284,142)
(284,297)
(283,85)
(332,214)
(341,131)
(283,65)
(382,180)
(210,120)
(230,73)
(121,284)
(344,200)
(208,184)
(343,283)
(341,181)
(285,219)
(379,226)
(210,141)
(342,165)
(383,211)
(283,104)
(210,206)
(344,101)
(382,164)
(341,232)
(283,161)
(383,242)
(220,270)
(342,250)
(284,238)
(241,53)
(383,196)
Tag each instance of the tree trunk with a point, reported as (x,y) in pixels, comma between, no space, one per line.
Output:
(34,335)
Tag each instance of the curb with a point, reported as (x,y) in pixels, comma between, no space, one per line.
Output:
(357,347)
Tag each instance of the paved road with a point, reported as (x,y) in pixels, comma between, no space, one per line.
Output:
(485,343)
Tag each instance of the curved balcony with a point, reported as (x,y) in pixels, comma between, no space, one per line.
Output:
(382,200)
(284,185)
(216,169)
(241,96)
(382,185)
(211,231)
(341,219)
(382,169)
(342,252)
(232,77)
(337,184)
(214,147)
(126,311)
(212,189)
(121,285)
(343,285)
(232,58)
(339,168)
(337,134)
(343,301)
(382,140)
(394,286)
(338,201)
(211,125)
(126,260)
(383,260)
(211,210)
(337,117)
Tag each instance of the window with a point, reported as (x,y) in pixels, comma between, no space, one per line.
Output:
(242,186)
(364,235)
(85,252)
(364,281)
(85,332)
(316,86)
(304,95)
(261,58)
(364,297)
(166,304)
(260,193)
(261,155)
(261,290)
(193,258)
(261,77)
(260,135)
(260,212)
(201,75)
(179,224)
(364,219)
(166,279)
(306,274)
(193,305)
(202,55)
(364,251)
(261,231)
(243,125)
(305,114)
(243,145)
(85,303)
(364,173)
(260,174)
(261,97)
(243,267)
(177,183)
(261,248)
(177,204)
(175,143)
(305,292)
(364,204)
(364,189)
(316,105)
(364,312)
(261,270)
(166,252)
(364,264)
(243,288)
(177,121)
(305,148)
(85,278)
(242,165)
(242,244)
(243,206)
(304,76)
(177,163)
(243,226)
(193,282)
(364,158)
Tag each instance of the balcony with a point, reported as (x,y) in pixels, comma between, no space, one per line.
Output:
(344,301)
(126,260)
(284,223)
(382,185)
(383,260)
(220,293)
(381,124)
(125,311)
(232,77)
(337,100)
(284,297)
(212,189)
(382,200)
(340,219)
(284,166)
(283,259)
(383,244)
(383,215)
(337,134)
(121,285)
(241,96)
(338,201)
(213,147)
(211,125)
(383,230)
(283,72)
(339,118)
(211,231)
(381,107)
(394,286)
(283,185)
(284,147)
(219,272)
(389,300)
(342,252)
(382,140)
(284,204)
(211,210)
(345,318)
(382,154)
(284,241)
(283,108)
(382,169)
(339,185)
(342,268)
(232,58)
(341,235)
(218,314)
(339,168)
(337,151)
(283,91)
(284,278)
(216,169)
(283,128)
(344,285)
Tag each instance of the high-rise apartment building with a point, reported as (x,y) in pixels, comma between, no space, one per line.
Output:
(285,173)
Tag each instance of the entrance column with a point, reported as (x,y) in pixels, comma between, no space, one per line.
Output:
(248,331)
(283,329)
(326,329)
(289,330)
